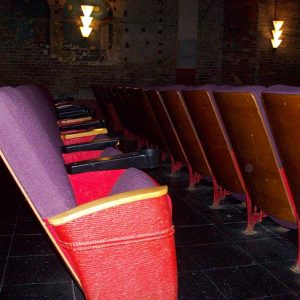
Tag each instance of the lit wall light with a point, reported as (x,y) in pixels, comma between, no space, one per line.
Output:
(86,20)
(276,41)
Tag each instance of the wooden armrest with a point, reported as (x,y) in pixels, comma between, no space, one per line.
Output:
(96,131)
(107,202)
(74,121)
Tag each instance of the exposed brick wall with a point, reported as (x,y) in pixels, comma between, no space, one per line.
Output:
(143,51)
(240,42)
(233,45)
(279,65)
(210,32)
(248,56)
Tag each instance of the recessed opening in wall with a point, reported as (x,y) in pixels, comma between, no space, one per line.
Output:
(75,46)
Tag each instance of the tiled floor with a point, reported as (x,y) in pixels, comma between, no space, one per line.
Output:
(216,260)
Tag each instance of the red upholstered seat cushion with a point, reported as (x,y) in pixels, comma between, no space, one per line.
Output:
(80,140)
(80,156)
(93,185)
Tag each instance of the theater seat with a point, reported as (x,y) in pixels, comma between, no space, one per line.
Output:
(205,116)
(267,190)
(115,235)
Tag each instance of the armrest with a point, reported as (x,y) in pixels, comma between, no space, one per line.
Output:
(95,145)
(107,202)
(64,100)
(64,105)
(145,159)
(85,125)
(71,108)
(73,121)
(68,136)
(74,114)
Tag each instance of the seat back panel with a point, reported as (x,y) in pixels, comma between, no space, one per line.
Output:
(143,106)
(166,125)
(254,151)
(283,112)
(203,111)
(186,131)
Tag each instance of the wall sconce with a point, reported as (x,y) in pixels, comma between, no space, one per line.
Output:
(276,41)
(86,20)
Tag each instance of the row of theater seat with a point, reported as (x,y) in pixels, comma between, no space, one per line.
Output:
(244,138)
(111,225)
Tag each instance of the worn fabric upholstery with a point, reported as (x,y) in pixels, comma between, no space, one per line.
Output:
(32,155)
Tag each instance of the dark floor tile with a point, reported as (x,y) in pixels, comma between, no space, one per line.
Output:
(2,266)
(37,244)
(6,229)
(200,197)
(196,285)
(224,215)
(78,293)
(219,255)
(236,231)
(187,216)
(269,250)
(198,235)
(56,291)
(27,223)
(248,282)
(288,296)
(4,245)
(185,262)
(8,215)
(282,271)
(35,269)
(289,235)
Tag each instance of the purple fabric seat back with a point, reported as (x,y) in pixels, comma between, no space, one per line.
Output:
(132,179)
(33,96)
(34,159)
(283,89)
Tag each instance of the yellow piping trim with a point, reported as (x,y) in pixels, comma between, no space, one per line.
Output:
(107,202)
(75,121)
(96,131)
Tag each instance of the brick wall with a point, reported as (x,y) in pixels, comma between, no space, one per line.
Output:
(139,44)
(143,50)
(210,34)
(248,56)
(279,65)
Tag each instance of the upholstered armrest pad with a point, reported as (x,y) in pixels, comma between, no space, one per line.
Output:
(122,246)
(145,159)
(84,125)
(98,205)
(93,132)
(73,121)
(94,145)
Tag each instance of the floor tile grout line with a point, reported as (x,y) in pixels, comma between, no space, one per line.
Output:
(9,248)
(37,283)
(213,283)
(257,262)
(268,297)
